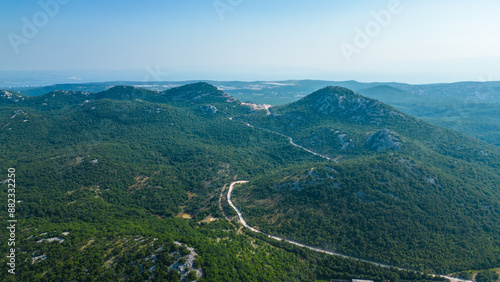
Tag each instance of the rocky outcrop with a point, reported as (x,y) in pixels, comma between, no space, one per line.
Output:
(384,139)
(343,141)
(8,96)
(208,109)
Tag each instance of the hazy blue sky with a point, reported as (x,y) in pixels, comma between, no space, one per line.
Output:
(421,41)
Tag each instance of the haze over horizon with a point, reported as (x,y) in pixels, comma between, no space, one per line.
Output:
(400,41)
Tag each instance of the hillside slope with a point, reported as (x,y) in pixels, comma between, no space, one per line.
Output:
(112,166)
(407,193)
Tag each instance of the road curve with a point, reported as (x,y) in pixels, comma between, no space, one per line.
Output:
(242,220)
(244,223)
(291,142)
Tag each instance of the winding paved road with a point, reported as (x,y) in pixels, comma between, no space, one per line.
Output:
(244,223)
(291,142)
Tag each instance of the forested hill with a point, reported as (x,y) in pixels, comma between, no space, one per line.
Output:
(106,182)
(124,172)
(340,123)
(197,93)
(405,192)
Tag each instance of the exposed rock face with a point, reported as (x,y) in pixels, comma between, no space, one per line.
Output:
(208,109)
(343,143)
(384,139)
(188,265)
(10,96)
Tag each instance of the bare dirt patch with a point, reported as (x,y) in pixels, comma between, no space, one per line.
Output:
(184,215)
(140,183)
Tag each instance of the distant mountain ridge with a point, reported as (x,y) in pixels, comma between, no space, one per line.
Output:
(487,89)
(193,93)
(200,92)
(467,107)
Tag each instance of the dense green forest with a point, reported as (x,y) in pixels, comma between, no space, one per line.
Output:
(117,176)
(467,107)
(388,209)
(407,192)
